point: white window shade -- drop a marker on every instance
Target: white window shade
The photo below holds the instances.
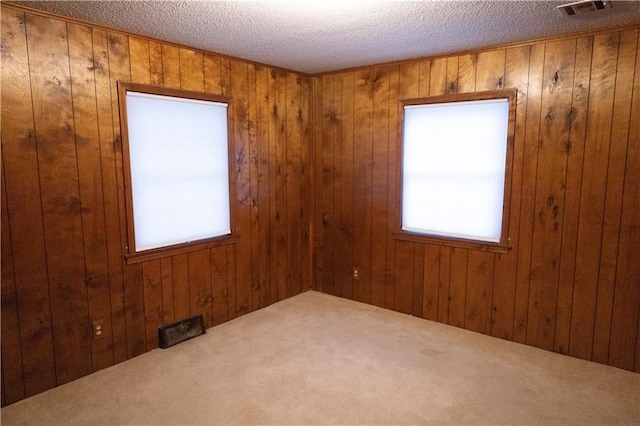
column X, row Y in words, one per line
column 179, row 164
column 454, row 157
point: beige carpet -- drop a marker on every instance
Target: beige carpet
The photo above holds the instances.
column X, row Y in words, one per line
column 319, row 359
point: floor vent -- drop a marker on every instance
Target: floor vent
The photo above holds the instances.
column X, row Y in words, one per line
column 174, row 333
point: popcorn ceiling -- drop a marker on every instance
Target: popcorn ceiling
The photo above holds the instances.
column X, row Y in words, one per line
column 315, row 36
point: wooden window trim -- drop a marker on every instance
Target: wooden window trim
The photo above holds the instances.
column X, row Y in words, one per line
column 131, row 255
column 503, row 246
column 176, row 249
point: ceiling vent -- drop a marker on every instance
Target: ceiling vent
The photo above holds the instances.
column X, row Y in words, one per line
column 582, row 7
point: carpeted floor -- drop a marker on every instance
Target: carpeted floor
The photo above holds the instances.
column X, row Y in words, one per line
column 319, row 359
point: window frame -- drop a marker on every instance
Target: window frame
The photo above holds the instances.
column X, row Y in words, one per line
column 132, row 256
column 503, row 246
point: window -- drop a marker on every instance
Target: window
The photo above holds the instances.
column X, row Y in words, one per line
column 176, row 149
column 455, row 162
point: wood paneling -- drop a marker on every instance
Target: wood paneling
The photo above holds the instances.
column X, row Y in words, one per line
column 624, row 331
column 63, row 221
column 575, row 158
column 593, row 195
column 379, row 178
column 27, row 243
column 504, row 290
column 549, row 203
column 571, row 281
column 47, row 41
column 364, row 85
column 317, row 183
column 90, row 182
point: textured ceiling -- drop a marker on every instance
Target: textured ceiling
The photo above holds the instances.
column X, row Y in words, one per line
column 313, row 36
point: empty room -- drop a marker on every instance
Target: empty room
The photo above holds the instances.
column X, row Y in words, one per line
column 333, row 212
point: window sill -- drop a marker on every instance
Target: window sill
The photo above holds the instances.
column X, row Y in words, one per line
column 159, row 253
column 453, row 242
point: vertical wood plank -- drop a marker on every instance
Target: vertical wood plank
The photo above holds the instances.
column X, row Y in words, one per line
column 424, row 80
column 293, row 183
column 317, row 108
column 191, row 70
column 239, row 75
column 132, row 302
column 362, row 174
column 467, row 65
column 155, row 63
column 138, row 71
column 346, row 238
column 392, row 182
column 534, row 96
column 626, row 303
column 166, row 265
column 638, row 340
column 13, row 388
column 110, row 190
column 254, row 201
column 58, row 169
column 550, row 184
column 211, row 70
column 479, row 292
column 225, row 76
column 490, row 70
column 516, row 75
column 24, row 210
column 306, row 193
column 458, row 286
column 140, row 66
column 200, row 298
column 341, row 270
column 85, row 120
column 418, row 281
column 219, row 280
column 431, row 276
column 152, row 287
column 170, row 66
column 452, row 75
column 181, row 290
column 438, row 77
column 594, row 184
column 444, row 279
column 275, row 180
column 280, row 120
column 404, row 276
column 232, row 281
column 575, row 153
column 134, row 305
column 614, row 192
column 264, row 232
column 328, row 184
column 379, row 186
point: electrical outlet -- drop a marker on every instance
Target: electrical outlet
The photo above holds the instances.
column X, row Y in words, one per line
column 356, row 273
column 98, row 330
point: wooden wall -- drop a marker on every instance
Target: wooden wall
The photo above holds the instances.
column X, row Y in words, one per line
column 571, row 282
column 63, row 218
